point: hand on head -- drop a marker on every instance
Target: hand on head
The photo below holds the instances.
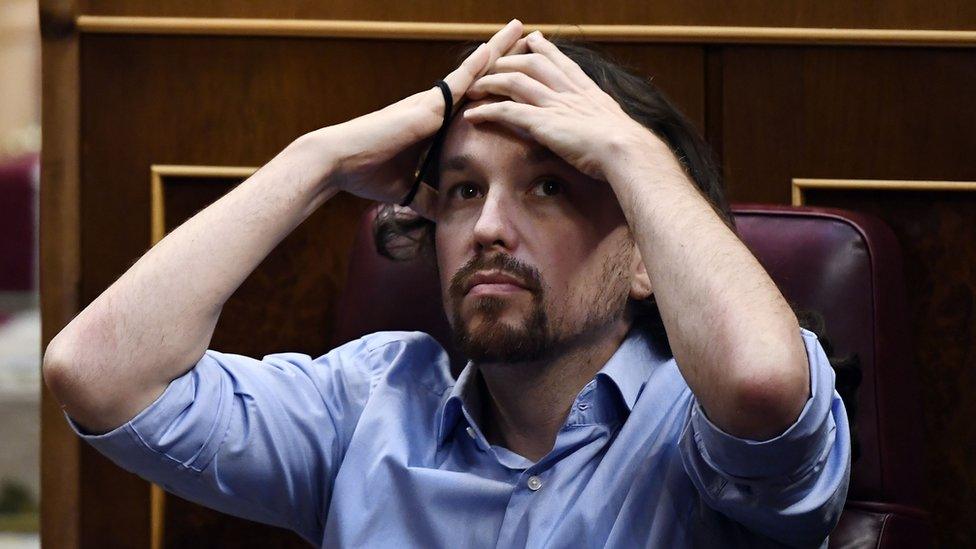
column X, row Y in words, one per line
column 375, row 155
column 547, row 97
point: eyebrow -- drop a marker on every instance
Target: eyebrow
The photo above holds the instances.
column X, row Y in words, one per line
column 535, row 155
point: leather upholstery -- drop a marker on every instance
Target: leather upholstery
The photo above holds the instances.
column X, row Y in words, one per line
column 881, row 526
column 845, row 265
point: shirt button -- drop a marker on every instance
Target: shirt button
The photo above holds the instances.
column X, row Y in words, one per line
column 534, row 483
column 471, row 432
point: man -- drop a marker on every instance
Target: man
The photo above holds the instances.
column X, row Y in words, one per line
column 556, row 218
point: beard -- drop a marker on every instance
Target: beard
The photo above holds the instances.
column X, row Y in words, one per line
column 534, row 339
column 498, row 341
column 495, row 340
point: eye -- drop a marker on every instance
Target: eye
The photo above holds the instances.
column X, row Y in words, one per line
column 548, row 187
column 465, row 191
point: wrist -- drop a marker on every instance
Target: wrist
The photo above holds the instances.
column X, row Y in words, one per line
column 640, row 162
column 637, row 148
column 312, row 160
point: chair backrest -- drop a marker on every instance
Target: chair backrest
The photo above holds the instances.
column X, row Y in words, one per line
column 847, row 266
column 844, row 265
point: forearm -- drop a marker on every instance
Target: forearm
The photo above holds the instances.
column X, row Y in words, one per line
column 734, row 336
column 156, row 321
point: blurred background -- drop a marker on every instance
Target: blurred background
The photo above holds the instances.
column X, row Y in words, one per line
column 20, row 323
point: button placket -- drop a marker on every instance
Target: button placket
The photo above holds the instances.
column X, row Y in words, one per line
column 519, row 505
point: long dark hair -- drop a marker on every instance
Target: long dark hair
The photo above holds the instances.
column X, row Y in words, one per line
column 400, row 235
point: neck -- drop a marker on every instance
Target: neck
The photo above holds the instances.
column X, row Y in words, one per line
column 527, row 403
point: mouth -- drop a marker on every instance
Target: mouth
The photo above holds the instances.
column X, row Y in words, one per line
column 493, row 282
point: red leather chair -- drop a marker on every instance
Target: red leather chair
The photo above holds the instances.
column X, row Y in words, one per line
column 847, row 266
column 844, row 265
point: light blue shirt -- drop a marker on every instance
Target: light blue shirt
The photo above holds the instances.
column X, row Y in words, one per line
column 374, row 445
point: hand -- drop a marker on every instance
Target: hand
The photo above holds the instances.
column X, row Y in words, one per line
column 555, row 103
column 376, row 154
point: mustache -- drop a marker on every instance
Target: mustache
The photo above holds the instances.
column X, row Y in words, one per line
column 510, row 265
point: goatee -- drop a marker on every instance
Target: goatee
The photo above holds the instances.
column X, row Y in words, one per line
column 495, row 340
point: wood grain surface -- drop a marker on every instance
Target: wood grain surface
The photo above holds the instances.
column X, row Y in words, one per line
column 950, row 14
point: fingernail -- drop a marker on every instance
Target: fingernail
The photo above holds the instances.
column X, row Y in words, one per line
column 513, row 21
column 535, row 36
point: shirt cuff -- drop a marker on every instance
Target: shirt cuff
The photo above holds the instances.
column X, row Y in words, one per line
column 160, row 433
column 792, row 453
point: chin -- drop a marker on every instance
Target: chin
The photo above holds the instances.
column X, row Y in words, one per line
column 492, row 332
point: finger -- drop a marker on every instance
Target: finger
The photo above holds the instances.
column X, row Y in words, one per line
column 516, row 85
column 518, row 116
column 481, row 59
column 538, row 67
column 538, row 43
column 521, row 46
column 502, row 41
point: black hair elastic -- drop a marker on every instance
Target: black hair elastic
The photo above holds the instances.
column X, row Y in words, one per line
column 436, row 144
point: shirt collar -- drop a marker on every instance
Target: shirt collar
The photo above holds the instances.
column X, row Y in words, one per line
column 628, row 368
column 451, row 410
column 631, row 365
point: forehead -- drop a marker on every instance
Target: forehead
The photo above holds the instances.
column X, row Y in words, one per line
column 487, row 149
column 468, row 145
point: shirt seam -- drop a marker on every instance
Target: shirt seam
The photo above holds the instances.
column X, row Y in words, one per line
column 138, row 437
column 371, row 349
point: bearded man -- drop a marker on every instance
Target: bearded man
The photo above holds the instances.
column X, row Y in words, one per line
column 571, row 211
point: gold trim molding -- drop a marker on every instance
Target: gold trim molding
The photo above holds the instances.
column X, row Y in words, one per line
column 410, row 30
column 157, row 208
column 157, row 200
column 800, row 185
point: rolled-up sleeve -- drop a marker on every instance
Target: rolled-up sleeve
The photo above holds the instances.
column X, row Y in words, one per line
column 790, row 488
column 259, row 439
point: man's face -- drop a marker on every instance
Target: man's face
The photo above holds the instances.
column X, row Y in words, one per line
column 534, row 257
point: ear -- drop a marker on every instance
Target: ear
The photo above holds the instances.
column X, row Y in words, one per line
column 640, row 283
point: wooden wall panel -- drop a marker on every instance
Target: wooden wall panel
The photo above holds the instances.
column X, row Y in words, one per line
column 950, row 14
column 935, row 230
column 59, row 261
column 236, row 102
column 865, row 113
column 123, row 523
column 861, row 113
column 286, row 305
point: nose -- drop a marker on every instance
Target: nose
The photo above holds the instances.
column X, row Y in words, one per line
column 494, row 229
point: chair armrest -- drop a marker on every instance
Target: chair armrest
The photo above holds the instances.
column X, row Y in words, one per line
column 865, row 524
